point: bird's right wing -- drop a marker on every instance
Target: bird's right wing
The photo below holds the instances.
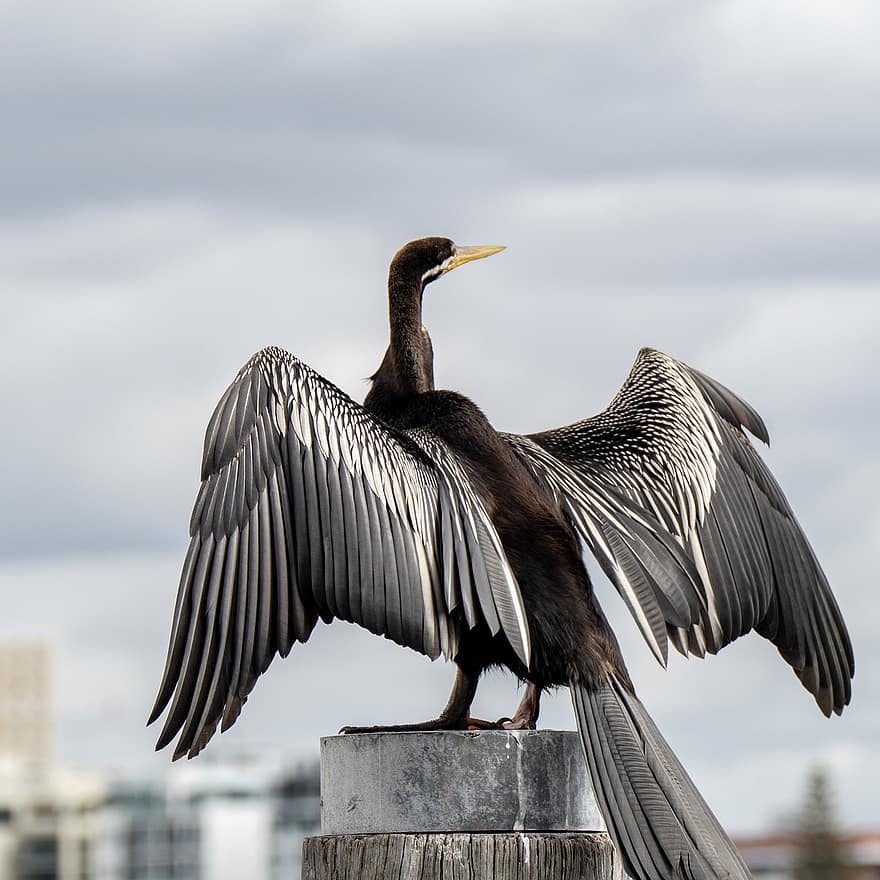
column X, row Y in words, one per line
column 310, row 506
column 670, row 456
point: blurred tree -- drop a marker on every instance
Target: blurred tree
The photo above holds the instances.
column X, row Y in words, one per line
column 821, row 853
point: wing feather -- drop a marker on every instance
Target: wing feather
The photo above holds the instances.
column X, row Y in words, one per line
column 213, row 702
column 263, row 648
column 234, row 655
column 348, row 526
column 192, row 644
column 373, row 604
column 179, row 626
column 281, row 563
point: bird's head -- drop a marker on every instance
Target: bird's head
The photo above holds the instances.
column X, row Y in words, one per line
column 422, row 261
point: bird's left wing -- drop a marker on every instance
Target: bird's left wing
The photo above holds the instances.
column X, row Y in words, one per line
column 669, row 456
column 312, row 507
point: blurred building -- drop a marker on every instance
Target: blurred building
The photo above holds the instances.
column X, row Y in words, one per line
column 47, row 821
column 214, row 820
column 297, row 815
column 46, row 813
column 138, row 834
column 773, row 856
column 25, row 701
column 244, row 816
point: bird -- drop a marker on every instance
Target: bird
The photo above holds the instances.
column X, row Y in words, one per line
column 413, row 517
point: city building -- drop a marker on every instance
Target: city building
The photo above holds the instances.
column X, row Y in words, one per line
column 25, row 701
column 139, row 835
column 46, row 812
column 217, row 818
column 242, row 816
column 773, row 856
column 47, row 821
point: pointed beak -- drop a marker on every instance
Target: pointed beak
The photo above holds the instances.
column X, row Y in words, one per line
column 467, row 254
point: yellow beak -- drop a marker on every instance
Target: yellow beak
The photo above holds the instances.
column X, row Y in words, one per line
column 467, row 254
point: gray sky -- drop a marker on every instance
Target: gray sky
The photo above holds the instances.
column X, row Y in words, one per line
column 185, row 183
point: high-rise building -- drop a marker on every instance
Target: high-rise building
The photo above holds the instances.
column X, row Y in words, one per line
column 45, row 811
column 25, row 701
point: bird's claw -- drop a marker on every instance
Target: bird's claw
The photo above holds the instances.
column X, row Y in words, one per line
column 480, row 724
column 441, row 723
column 517, row 724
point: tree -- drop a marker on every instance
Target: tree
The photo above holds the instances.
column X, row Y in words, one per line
column 821, row 852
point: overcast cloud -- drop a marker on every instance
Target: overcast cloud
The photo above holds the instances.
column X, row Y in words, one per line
column 185, row 183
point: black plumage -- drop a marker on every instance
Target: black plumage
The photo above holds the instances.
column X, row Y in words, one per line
column 413, row 517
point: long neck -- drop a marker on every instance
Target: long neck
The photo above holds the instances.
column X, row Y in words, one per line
column 411, row 355
column 408, row 365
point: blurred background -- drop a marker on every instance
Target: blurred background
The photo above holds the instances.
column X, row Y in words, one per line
column 183, row 183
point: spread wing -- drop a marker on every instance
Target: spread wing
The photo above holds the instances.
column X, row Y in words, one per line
column 311, row 507
column 670, row 452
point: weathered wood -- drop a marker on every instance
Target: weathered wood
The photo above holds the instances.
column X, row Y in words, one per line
column 504, row 856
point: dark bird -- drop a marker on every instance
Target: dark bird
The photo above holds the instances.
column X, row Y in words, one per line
column 413, row 517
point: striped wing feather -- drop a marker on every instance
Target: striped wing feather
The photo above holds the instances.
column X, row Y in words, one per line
column 311, row 507
column 670, row 455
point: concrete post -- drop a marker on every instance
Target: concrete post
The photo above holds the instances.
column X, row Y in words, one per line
column 460, row 804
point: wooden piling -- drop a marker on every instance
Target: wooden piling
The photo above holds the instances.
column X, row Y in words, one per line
column 516, row 855
column 488, row 805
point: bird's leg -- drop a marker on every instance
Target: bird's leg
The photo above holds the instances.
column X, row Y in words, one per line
column 453, row 717
column 526, row 715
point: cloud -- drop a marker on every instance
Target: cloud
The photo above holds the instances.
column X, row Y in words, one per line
column 703, row 228
column 303, row 106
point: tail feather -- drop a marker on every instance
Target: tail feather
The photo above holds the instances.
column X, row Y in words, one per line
column 659, row 822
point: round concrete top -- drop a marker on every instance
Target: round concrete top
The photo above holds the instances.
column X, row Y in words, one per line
column 525, row 780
